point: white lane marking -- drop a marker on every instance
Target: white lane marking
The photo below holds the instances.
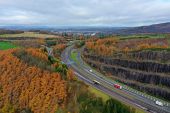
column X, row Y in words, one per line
column 140, row 106
column 82, row 77
column 97, row 76
column 133, row 91
column 87, row 70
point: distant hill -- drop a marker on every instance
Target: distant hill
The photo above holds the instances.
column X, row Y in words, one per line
column 4, row 31
column 155, row 28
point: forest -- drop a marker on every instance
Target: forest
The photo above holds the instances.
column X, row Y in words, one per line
column 29, row 87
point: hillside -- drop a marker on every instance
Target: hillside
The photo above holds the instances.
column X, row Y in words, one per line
column 5, row 31
column 155, row 28
column 142, row 64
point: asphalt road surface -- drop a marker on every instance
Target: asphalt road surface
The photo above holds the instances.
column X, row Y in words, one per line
column 126, row 94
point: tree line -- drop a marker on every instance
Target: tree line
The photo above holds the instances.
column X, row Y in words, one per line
column 4, row 31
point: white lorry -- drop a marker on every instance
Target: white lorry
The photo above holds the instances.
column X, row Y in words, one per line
column 159, row 103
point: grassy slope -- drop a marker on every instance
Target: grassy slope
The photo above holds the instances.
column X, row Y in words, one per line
column 99, row 93
column 28, row 34
column 6, row 45
column 105, row 97
column 74, row 56
column 142, row 36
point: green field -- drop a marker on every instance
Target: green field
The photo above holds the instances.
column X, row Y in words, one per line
column 74, row 56
column 6, row 45
column 142, row 36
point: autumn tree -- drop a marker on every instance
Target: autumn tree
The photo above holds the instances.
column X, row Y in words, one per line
column 26, row 86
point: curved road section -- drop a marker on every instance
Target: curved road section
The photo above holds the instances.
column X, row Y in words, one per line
column 126, row 94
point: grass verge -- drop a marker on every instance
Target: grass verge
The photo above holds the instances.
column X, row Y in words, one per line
column 74, row 56
column 105, row 97
column 142, row 36
column 98, row 93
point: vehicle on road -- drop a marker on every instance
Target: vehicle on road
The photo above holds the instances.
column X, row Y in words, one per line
column 96, row 82
column 90, row 70
column 159, row 103
column 117, row 86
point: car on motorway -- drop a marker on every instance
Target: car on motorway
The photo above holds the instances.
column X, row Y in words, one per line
column 90, row 70
column 117, row 86
column 96, row 82
column 158, row 103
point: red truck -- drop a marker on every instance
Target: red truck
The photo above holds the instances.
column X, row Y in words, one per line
column 117, row 86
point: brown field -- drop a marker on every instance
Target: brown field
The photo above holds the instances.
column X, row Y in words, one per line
column 29, row 34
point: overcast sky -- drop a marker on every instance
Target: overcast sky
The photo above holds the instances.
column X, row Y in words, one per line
column 84, row 12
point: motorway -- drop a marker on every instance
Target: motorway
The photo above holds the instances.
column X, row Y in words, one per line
column 127, row 95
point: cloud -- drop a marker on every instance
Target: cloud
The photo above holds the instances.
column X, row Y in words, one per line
column 83, row 12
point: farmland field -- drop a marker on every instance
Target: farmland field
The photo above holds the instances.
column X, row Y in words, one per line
column 28, row 34
column 6, row 45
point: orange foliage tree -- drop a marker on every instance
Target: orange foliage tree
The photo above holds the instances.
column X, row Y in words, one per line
column 150, row 46
column 60, row 47
column 37, row 53
column 104, row 47
column 26, row 86
column 70, row 75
